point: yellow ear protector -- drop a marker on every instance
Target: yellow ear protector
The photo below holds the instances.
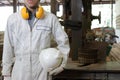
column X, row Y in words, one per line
column 39, row 13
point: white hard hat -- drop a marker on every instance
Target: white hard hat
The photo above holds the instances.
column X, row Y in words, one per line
column 50, row 58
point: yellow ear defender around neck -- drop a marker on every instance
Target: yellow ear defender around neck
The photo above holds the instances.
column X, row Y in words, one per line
column 39, row 13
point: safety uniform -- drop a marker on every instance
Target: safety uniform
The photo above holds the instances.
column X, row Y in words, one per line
column 25, row 45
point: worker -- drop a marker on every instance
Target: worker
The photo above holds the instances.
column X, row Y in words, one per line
column 27, row 33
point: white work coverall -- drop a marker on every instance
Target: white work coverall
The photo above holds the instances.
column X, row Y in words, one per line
column 25, row 45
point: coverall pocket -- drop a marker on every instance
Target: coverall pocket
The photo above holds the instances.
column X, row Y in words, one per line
column 42, row 27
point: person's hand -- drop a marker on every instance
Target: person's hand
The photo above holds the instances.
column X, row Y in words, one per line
column 56, row 71
column 7, row 78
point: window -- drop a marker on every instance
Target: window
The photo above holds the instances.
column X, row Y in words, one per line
column 106, row 15
column 5, row 12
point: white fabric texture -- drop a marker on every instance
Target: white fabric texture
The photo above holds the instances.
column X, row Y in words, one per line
column 7, row 78
column 25, row 45
column 56, row 71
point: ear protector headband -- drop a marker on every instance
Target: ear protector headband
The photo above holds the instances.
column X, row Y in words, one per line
column 39, row 13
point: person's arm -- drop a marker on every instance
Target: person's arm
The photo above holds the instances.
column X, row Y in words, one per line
column 63, row 43
column 7, row 58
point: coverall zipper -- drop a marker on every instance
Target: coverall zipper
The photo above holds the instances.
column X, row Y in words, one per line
column 31, row 32
column 30, row 49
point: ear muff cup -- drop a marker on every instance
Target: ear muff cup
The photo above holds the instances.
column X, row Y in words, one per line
column 24, row 13
column 39, row 13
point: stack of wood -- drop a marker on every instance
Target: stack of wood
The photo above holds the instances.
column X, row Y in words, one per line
column 115, row 52
column 1, row 37
column 1, row 50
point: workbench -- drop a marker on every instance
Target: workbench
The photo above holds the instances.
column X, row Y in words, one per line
column 97, row 71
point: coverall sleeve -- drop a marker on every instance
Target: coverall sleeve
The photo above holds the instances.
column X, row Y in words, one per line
column 7, row 58
column 62, row 40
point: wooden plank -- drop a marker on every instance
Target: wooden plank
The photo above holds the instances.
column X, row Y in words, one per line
column 98, row 71
column 113, row 66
